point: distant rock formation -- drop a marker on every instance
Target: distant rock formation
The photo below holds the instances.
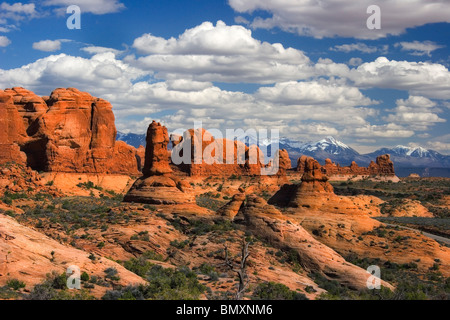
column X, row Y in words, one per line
column 284, row 163
column 314, row 186
column 382, row 167
column 69, row 131
column 313, row 193
column 207, row 156
column 158, row 185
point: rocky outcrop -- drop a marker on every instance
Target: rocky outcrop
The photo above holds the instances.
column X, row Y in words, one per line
column 158, row 190
column 28, row 255
column 314, row 188
column 284, row 163
column 231, row 209
column 157, row 156
column 267, row 223
column 69, row 131
column 15, row 178
column 382, row 167
column 158, row 185
column 406, row 208
column 198, row 153
column 12, row 132
column 314, row 193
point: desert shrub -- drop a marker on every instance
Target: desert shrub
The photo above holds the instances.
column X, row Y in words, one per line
column 200, row 227
column 163, row 284
column 140, row 266
column 84, row 276
column 209, row 270
column 112, row 273
column 15, row 284
column 152, row 255
column 8, row 293
column 179, row 244
column 55, row 288
column 276, row 291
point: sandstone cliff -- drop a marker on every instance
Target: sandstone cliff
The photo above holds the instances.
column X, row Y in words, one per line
column 69, row 131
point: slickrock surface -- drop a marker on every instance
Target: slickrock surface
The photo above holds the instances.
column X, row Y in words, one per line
column 27, row 255
column 313, row 255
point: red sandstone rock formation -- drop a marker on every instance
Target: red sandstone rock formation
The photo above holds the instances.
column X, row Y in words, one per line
column 203, row 155
column 140, row 156
column 314, row 189
column 69, row 131
column 268, row 223
column 12, row 131
column 284, row 163
column 383, row 167
column 158, row 185
column 157, row 155
column 231, row 209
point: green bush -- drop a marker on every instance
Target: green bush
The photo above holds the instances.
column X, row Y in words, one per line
column 163, row 284
column 179, row 244
column 140, row 266
column 276, row 291
column 84, row 276
column 55, row 288
column 15, row 284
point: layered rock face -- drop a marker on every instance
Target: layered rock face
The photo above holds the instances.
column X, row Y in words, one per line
column 382, row 167
column 313, row 193
column 284, row 163
column 266, row 222
column 158, row 185
column 157, row 156
column 19, row 178
column 231, row 209
column 200, row 154
column 69, row 131
column 12, row 131
column 314, row 188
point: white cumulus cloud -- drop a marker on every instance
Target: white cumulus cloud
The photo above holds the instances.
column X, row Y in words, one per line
column 419, row 48
column 4, row 41
column 220, row 53
column 47, row 45
column 362, row 47
column 426, row 79
column 344, row 18
column 92, row 6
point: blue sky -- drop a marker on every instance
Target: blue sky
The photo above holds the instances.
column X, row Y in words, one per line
column 307, row 68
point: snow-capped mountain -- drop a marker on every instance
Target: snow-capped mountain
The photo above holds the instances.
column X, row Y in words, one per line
column 415, row 152
column 132, row 139
column 328, row 145
column 325, row 148
column 253, row 138
column 416, row 159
